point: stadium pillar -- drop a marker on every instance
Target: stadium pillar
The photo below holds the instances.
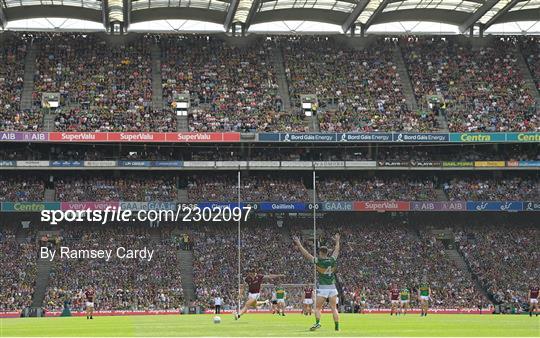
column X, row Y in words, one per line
column 481, row 30
column 3, row 19
column 352, row 31
column 238, row 29
column 114, row 16
column 239, row 247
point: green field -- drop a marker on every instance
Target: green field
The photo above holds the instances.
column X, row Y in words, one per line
column 268, row 325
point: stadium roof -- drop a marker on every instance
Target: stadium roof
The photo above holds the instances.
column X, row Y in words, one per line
column 389, row 16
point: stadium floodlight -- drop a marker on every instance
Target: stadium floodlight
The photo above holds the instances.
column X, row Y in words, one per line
column 50, row 100
column 309, row 104
column 181, row 104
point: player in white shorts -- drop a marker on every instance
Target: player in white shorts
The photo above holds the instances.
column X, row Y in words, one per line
column 325, row 265
column 534, row 292
column 254, row 281
column 89, row 294
column 307, row 306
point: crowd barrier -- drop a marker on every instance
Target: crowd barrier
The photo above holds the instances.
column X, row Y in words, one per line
column 187, row 137
column 286, row 207
column 269, row 164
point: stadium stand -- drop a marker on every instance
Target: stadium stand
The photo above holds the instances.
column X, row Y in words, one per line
column 253, row 189
column 232, row 88
column 18, row 270
column 76, row 189
column 21, row 189
column 369, row 259
column 138, row 284
column 504, row 259
column 235, row 88
column 493, row 190
column 102, row 87
column 530, row 48
column 12, row 118
column 361, row 88
column 482, row 89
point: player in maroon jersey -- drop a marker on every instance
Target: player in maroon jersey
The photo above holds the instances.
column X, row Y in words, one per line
column 393, row 293
column 308, row 301
column 254, row 281
column 534, row 291
column 89, row 294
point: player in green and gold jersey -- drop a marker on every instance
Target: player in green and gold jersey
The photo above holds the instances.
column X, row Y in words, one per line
column 326, row 280
column 424, row 293
column 404, row 300
column 280, row 299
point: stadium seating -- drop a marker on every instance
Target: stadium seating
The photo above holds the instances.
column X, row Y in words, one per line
column 103, row 87
column 482, row 88
column 376, row 189
column 369, row 258
column 232, row 88
column 505, row 259
column 252, row 189
column 516, row 189
column 236, row 88
column 12, row 118
column 530, row 48
column 76, row 189
column 21, row 189
column 18, row 271
column 361, row 89
column 121, row 284
column 263, row 188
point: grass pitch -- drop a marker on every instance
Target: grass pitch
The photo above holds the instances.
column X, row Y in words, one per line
column 266, row 325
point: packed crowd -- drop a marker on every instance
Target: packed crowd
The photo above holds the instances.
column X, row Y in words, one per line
column 252, row 189
column 479, row 89
column 119, row 284
column 505, row 259
column 376, row 189
column 105, row 87
column 231, row 88
column 17, row 271
column 110, row 120
column 264, row 248
column 531, row 51
column 21, row 189
column 361, row 89
column 97, row 189
column 369, row 259
column 380, row 260
column 504, row 189
column 271, row 188
column 12, row 118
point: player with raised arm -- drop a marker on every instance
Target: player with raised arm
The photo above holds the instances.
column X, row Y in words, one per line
column 533, row 300
column 89, row 295
column 326, row 280
column 308, row 301
column 424, row 292
column 254, row 281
